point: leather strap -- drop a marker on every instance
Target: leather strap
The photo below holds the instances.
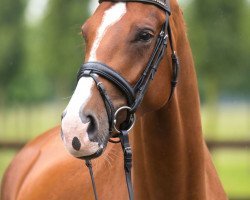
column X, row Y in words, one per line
column 175, row 66
column 127, row 152
column 107, row 101
column 89, row 165
column 111, row 75
column 163, row 4
column 152, row 66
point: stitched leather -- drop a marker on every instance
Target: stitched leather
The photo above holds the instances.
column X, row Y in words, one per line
column 111, row 75
column 163, row 4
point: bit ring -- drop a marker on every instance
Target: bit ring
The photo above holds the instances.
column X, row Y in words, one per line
column 131, row 120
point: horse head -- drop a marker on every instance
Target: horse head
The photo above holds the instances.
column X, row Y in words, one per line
column 120, row 39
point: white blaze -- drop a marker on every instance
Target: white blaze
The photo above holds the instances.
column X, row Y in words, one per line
column 81, row 96
column 110, row 17
column 72, row 125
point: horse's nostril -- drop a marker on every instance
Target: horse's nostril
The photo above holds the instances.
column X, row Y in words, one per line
column 92, row 129
column 76, row 144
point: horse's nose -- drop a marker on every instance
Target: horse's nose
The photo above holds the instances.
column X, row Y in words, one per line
column 91, row 126
column 80, row 132
column 92, row 131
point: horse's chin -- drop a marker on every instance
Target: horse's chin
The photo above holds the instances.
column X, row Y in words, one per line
column 85, row 149
column 93, row 156
column 87, row 155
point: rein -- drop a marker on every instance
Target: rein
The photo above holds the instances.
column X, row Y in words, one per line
column 134, row 94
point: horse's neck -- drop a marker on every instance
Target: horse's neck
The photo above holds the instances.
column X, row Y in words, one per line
column 169, row 156
column 171, row 160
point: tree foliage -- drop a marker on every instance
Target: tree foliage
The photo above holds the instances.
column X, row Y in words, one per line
column 47, row 56
column 40, row 62
column 11, row 41
column 218, row 34
column 63, row 47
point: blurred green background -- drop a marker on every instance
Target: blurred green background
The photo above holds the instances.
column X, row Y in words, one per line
column 41, row 49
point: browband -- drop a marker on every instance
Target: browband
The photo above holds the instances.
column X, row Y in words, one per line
column 163, row 4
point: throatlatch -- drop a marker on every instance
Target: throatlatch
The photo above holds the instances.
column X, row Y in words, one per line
column 134, row 94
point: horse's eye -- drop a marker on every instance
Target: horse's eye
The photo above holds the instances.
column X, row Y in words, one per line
column 145, row 36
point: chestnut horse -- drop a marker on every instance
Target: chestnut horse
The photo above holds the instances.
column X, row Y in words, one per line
column 170, row 157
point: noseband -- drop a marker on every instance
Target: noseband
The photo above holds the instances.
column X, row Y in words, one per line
column 134, row 94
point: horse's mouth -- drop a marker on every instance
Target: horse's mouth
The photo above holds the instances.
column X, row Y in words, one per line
column 83, row 148
column 94, row 155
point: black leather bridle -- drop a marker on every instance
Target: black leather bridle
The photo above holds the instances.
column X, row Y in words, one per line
column 134, row 94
